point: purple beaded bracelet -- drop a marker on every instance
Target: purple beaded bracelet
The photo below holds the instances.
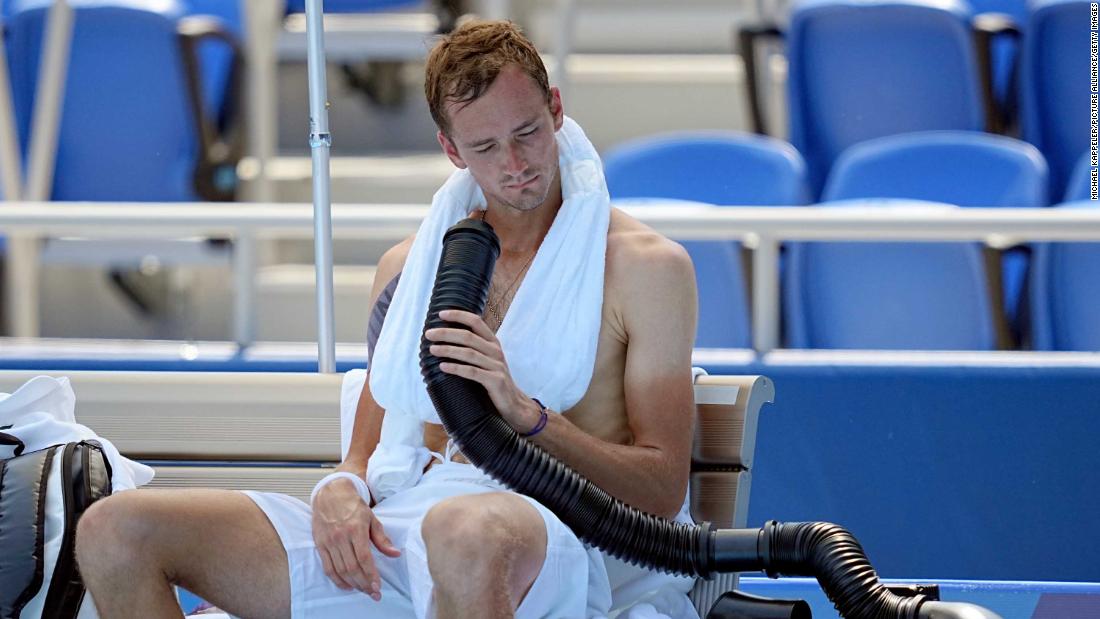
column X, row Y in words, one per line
column 543, row 418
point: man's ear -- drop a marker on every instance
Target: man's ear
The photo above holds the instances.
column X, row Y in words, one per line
column 450, row 149
column 556, row 109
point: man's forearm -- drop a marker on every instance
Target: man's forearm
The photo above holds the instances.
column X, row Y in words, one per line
column 365, row 434
column 643, row 477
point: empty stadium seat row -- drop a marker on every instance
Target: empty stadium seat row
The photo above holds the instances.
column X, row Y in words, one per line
column 862, row 69
column 151, row 98
column 153, row 88
column 879, row 295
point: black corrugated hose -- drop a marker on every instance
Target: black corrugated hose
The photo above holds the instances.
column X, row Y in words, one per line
column 823, row 550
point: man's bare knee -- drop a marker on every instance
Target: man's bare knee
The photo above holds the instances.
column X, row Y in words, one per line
column 485, row 537
column 459, row 527
column 114, row 530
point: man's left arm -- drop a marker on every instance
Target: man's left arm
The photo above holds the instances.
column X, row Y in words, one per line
column 658, row 301
column 658, row 294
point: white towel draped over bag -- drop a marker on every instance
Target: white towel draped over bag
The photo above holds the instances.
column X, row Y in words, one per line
column 41, row 413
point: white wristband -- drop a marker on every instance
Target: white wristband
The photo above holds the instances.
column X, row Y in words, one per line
column 360, row 486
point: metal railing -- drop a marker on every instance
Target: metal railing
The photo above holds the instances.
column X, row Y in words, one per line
column 761, row 228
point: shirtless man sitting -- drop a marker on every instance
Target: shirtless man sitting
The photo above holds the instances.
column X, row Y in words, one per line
column 487, row 552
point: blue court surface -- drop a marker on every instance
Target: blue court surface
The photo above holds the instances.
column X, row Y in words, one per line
column 1011, row 600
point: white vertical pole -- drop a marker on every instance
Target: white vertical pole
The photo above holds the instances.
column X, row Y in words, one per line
column 563, row 45
column 11, row 174
column 261, row 93
column 320, row 141
column 765, row 297
column 48, row 102
column 22, row 285
column 244, row 287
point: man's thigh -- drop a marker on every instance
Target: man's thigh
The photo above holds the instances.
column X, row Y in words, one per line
column 313, row 595
column 217, row 544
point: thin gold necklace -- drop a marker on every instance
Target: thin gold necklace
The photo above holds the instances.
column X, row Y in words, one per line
column 494, row 306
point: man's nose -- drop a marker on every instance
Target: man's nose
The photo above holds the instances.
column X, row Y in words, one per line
column 514, row 161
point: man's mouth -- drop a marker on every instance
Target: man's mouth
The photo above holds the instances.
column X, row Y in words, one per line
column 525, row 184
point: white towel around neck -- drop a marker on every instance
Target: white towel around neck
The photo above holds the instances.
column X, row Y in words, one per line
column 549, row 334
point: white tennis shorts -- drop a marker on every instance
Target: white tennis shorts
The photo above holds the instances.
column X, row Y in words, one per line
column 573, row 582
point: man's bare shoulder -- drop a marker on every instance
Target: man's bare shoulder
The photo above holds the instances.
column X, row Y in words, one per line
column 650, row 279
column 389, row 265
column 394, row 258
column 635, row 250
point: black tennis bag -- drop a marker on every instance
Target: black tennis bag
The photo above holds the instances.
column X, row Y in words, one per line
column 42, row 495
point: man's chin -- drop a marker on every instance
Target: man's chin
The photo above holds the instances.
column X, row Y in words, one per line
column 527, row 201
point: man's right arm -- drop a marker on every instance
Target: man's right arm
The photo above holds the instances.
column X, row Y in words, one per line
column 344, row 527
column 367, row 427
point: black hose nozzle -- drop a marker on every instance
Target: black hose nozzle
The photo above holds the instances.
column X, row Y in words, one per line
column 741, row 605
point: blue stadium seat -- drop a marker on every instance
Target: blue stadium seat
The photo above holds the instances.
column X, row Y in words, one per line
column 717, row 167
column 861, row 69
column 903, row 296
column 1065, row 293
column 965, row 168
column 353, row 6
column 130, row 119
column 1080, row 184
column 1055, row 84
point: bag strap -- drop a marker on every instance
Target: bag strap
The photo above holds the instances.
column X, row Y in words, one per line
column 23, row 491
column 101, row 473
column 9, row 439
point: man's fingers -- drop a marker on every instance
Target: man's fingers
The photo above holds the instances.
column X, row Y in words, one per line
column 461, row 337
column 479, row 334
column 382, row 541
column 370, row 572
column 461, row 353
column 469, row 319
column 330, row 569
column 353, row 571
column 465, row 371
column 343, row 542
column 340, row 566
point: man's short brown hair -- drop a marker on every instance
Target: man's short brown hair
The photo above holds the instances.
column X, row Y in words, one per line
column 463, row 65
